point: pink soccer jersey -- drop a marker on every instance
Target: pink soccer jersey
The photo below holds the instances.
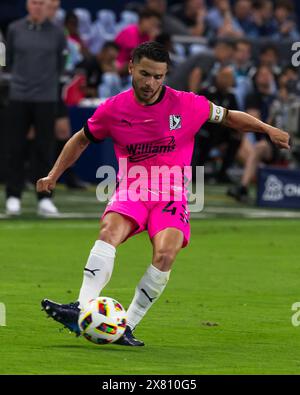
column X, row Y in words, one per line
column 151, row 135
column 161, row 134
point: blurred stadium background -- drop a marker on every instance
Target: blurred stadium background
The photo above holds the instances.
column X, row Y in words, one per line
column 239, row 54
column 243, row 260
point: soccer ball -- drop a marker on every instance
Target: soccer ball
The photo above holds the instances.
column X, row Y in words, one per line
column 103, row 320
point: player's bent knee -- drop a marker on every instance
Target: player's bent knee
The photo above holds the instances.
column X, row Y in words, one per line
column 164, row 259
column 111, row 234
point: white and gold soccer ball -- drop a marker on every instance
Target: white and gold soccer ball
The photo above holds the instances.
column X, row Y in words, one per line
column 103, row 320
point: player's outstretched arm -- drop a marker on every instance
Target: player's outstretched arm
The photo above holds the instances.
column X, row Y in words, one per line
column 247, row 123
column 70, row 153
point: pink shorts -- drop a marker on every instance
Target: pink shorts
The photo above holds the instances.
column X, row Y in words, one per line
column 153, row 216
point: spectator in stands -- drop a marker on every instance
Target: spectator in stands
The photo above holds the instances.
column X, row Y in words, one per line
column 73, row 36
column 2, row 53
column 242, row 65
column 269, row 57
column 53, row 7
column 56, row 14
column 216, row 13
column 133, row 35
column 263, row 16
column 62, row 129
column 197, row 69
column 166, row 40
column 220, row 19
column 285, row 19
column 36, row 58
column 208, row 65
column 105, row 62
column 291, row 74
column 212, row 136
column 258, row 104
column 3, row 105
column 193, row 14
column 242, row 58
column 169, row 24
column 279, row 110
column 243, row 11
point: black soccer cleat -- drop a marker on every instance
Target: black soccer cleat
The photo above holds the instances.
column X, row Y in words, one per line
column 239, row 193
column 127, row 339
column 66, row 314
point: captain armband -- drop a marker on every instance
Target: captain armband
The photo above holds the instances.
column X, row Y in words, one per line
column 217, row 114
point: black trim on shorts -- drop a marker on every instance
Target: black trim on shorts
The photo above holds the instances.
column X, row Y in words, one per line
column 89, row 135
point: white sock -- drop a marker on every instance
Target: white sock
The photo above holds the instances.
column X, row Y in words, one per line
column 147, row 292
column 97, row 271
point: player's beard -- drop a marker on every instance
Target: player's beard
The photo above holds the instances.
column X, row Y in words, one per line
column 140, row 97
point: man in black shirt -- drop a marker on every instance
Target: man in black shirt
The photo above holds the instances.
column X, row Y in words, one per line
column 211, row 136
column 191, row 74
column 192, row 13
column 36, row 50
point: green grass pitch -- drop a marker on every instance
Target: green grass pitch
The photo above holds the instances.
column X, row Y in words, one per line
column 226, row 310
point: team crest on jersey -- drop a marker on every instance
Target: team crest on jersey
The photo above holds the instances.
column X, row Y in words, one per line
column 175, row 122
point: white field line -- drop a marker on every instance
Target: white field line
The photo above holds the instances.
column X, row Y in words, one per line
column 77, row 199
column 49, row 225
column 249, row 212
column 209, row 212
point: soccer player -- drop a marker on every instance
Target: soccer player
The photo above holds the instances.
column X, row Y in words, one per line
column 150, row 124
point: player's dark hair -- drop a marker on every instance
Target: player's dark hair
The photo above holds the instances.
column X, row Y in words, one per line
column 151, row 50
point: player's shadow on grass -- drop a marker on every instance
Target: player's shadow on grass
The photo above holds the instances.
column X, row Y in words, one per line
column 96, row 349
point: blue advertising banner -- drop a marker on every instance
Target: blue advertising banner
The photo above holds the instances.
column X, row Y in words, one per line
column 278, row 187
column 95, row 155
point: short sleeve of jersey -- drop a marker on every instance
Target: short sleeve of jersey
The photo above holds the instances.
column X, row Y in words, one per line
column 96, row 128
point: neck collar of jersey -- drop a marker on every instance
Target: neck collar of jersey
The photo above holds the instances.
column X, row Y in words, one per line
column 158, row 100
